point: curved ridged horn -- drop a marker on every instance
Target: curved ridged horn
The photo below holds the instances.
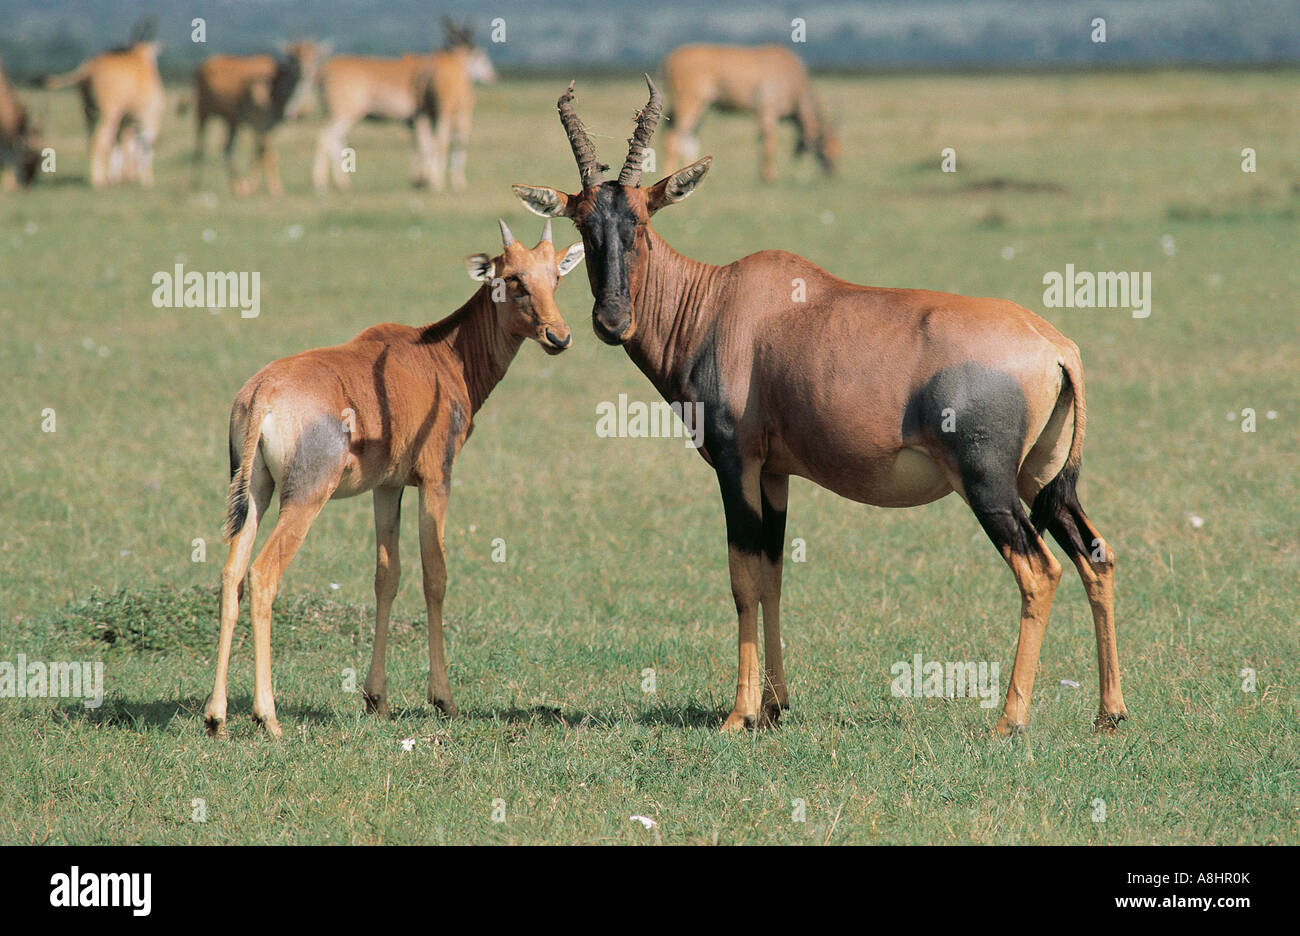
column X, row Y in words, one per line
column 546, row 231
column 506, row 237
column 589, row 167
column 646, row 121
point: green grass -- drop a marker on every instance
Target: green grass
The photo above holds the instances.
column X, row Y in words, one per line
column 616, row 555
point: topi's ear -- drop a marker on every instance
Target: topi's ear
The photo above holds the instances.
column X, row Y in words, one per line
column 547, row 202
column 678, row 186
column 571, row 258
column 479, row 266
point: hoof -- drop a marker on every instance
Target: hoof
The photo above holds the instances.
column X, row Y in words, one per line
column 376, row 705
column 771, row 712
column 445, row 706
column 1107, row 722
column 1007, row 728
column 270, row 725
column 739, row 722
column 216, row 727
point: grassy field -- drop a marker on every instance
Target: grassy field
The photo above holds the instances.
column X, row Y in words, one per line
column 616, row 552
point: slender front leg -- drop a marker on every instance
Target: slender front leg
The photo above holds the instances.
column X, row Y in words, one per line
column 741, row 503
column 270, row 166
column 775, row 492
column 441, row 144
column 767, row 141
column 433, row 512
column 422, row 167
column 388, row 571
column 456, row 160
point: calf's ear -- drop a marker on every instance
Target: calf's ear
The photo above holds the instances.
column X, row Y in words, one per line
column 571, row 257
column 479, row 266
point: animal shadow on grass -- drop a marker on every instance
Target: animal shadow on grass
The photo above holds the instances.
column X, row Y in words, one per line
column 60, row 179
column 148, row 714
column 690, row 715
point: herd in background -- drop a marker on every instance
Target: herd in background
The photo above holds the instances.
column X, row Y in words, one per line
column 124, row 103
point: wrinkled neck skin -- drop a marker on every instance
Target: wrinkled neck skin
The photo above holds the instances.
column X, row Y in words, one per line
column 482, row 350
column 674, row 301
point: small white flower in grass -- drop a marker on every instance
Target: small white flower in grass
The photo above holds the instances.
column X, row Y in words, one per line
column 1167, row 244
column 408, row 744
column 1070, row 682
column 1008, row 252
column 209, row 235
column 645, row 821
column 30, row 228
column 294, row 231
column 88, row 343
column 335, row 586
column 827, row 217
column 1196, row 521
column 1232, row 416
column 1271, row 414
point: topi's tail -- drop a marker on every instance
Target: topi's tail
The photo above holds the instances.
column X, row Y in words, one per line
column 241, row 467
column 55, row 82
column 1061, row 490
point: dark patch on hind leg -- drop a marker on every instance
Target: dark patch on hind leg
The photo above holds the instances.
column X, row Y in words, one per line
column 317, row 461
column 977, row 415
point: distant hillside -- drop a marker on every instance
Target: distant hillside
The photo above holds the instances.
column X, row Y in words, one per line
column 888, row 34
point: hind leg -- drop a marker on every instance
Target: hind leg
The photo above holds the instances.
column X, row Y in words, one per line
column 683, row 144
column 1095, row 560
column 101, row 145
column 201, row 125
column 291, row 527
column 232, row 590
column 320, row 455
column 1000, row 512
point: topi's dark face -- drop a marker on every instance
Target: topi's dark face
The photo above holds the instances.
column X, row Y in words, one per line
column 608, row 225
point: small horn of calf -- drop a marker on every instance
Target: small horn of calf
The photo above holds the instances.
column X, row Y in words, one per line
column 546, row 231
column 506, row 237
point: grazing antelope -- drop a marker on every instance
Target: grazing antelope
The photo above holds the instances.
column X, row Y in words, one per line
column 119, row 87
column 891, row 397
column 20, row 150
column 434, row 93
column 769, row 81
column 257, row 90
column 389, row 409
